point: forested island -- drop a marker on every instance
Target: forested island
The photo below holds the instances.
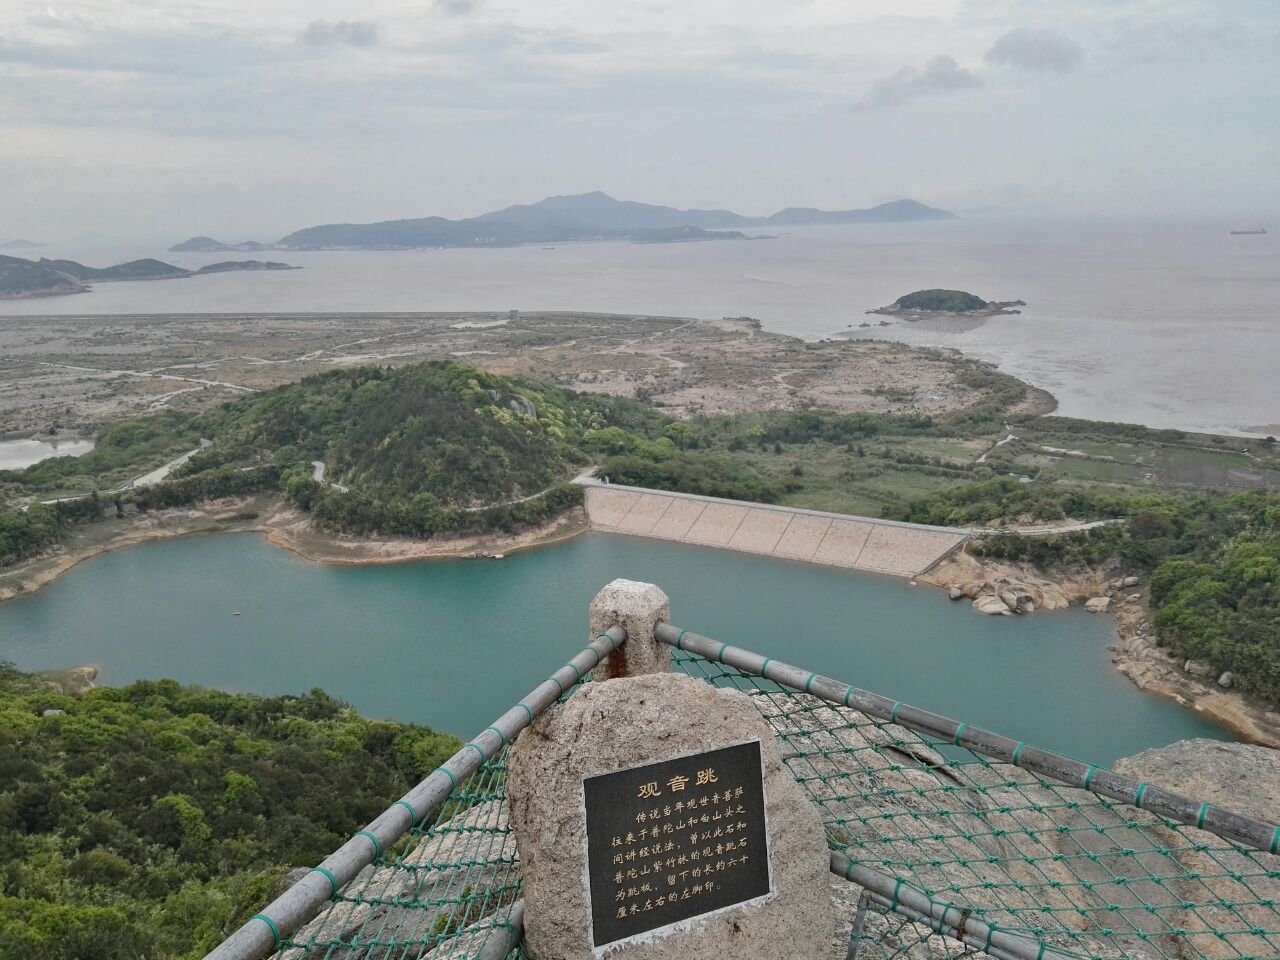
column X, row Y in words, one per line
column 929, row 304
column 21, row 279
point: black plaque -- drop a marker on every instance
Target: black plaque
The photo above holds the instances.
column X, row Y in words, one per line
column 673, row 840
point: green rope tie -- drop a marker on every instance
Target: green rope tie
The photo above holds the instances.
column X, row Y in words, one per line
column 1275, row 840
column 808, row 683
column 479, row 752
column 893, row 715
column 847, row 693
column 275, row 931
column 1040, row 952
column 1088, row 777
column 502, row 737
column 991, row 930
column 1137, row 800
column 377, row 845
column 764, row 667
column 680, row 639
column 959, row 733
column 333, row 881
column 559, row 685
column 526, row 709
column 1204, row 808
column 1017, row 752
column 720, row 652
column 897, row 887
column 448, row 773
column 413, row 814
column 576, row 672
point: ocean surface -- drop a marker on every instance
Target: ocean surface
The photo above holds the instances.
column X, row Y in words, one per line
column 454, row 644
column 1166, row 324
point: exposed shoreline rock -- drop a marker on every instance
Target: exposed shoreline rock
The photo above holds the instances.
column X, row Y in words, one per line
column 1136, row 654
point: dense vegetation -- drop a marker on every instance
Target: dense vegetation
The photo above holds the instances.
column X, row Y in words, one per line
column 150, row 821
column 117, row 454
column 950, row 301
column 425, row 449
column 25, row 533
column 1214, row 560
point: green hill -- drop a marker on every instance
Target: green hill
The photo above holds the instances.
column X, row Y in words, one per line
column 948, row 301
column 147, row 821
column 424, row 449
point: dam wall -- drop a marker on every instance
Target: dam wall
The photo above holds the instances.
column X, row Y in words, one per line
column 856, row 543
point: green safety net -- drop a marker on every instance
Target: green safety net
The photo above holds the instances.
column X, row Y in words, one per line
column 1066, row 868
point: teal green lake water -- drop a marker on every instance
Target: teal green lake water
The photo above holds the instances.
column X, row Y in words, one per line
column 453, row 644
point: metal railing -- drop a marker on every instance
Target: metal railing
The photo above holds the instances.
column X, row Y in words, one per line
column 271, row 929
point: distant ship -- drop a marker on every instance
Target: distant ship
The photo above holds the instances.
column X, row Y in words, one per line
column 1248, row 233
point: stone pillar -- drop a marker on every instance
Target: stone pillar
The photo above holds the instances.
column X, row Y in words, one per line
column 637, row 608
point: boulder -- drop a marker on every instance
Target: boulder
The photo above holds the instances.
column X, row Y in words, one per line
column 991, row 605
column 1097, row 604
column 1197, row 668
column 955, row 592
column 627, row 722
column 1227, row 680
column 1130, row 582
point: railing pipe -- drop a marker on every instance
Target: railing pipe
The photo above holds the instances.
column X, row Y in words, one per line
column 1075, row 773
column 955, row 922
column 266, row 932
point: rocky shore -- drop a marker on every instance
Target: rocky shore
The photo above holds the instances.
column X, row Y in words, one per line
column 999, row 588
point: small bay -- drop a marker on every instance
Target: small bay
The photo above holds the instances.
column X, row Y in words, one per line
column 454, row 643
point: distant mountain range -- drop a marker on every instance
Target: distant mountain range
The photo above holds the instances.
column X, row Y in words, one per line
column 20, row 279
column 585, row 216
column 21, row 244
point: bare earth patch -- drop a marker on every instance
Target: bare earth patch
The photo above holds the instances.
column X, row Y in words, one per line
column 78, row 372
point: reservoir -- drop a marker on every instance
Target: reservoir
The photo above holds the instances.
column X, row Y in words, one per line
column 452, row 644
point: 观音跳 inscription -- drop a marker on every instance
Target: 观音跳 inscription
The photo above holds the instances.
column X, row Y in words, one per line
column 674, row 840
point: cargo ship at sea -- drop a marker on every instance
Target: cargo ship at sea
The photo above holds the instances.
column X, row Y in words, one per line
column 1248, row 233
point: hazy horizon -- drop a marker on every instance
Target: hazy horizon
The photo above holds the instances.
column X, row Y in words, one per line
column 245, row 120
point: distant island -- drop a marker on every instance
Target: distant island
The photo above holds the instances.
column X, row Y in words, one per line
column 21, row 244
column 22, row 279
column 204, row 244
column 932, row 304
column 584, row 216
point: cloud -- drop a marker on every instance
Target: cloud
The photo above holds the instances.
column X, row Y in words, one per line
column 456, row 8
column 1028, row 48
column 940, row 75
column 353, row 33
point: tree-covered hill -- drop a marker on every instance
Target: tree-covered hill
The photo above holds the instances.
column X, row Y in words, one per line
column 423, row 449
column 946, row 301
column 150, row 821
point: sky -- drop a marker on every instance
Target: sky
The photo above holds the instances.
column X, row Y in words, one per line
column 247, row 119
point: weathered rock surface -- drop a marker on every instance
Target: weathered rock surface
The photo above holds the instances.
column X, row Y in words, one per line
column 1227, row 680
column 1097, row 604
column 1239, row 777
column 1197, row 668
column 992, row 605
column 636, row 720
